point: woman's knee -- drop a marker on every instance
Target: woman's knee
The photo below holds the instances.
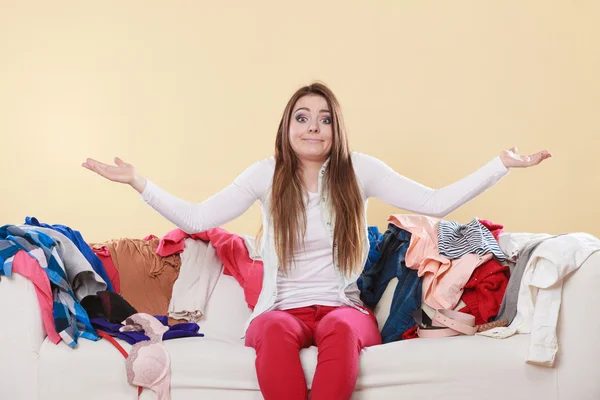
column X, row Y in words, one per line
column 273, row 327
column 349, row 326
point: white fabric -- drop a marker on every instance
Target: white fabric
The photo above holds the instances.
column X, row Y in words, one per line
column 312, row 278
column 250, row 243
column 540, row 292
column 375, row 179
column 198, row 276
column 512, row 243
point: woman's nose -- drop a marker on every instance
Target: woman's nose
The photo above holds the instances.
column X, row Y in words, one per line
column 313, row 128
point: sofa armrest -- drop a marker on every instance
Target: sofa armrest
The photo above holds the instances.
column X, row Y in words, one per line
column 21, row 336
column 579, row 332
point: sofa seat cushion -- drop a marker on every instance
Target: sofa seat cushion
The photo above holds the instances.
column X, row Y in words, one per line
column 460, row 366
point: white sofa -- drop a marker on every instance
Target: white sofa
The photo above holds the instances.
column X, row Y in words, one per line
column 219, row 366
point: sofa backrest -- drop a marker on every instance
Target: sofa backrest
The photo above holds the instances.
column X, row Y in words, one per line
column 226, row 312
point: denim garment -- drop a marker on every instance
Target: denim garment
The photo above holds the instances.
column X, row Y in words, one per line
column 375, row 238
column 408, row 292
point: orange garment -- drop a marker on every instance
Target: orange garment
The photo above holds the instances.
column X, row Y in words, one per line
column 443, row 279
column 146, row 278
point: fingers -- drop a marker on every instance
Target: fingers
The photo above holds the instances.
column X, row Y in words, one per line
column 119, row 162
column 89, row 164
column 538, row 157
column 514, row 149
column 95, row 166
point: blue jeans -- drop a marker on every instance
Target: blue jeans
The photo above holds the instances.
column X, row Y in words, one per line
column 408, row 293
column 375, row 238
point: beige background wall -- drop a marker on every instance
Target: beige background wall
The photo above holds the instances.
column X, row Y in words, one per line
column 191, row 92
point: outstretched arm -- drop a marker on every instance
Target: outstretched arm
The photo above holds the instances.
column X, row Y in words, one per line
column 224, row 206
column 384, row 183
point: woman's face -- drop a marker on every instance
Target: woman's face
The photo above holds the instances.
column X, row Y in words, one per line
column 311, row 129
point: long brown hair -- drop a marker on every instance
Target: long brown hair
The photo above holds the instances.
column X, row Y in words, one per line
column 344, row 198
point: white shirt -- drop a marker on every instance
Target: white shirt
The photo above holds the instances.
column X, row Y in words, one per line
column 312, row 278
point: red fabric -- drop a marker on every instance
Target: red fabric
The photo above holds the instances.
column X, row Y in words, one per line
column 484, row 291
column 109, row 266
column 410, row 333
column 232, row 251
column 340, row 333
column 495, row 229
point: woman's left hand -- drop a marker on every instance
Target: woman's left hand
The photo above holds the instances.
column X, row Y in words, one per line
column 511, row 159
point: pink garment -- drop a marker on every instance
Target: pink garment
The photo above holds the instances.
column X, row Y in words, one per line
column 27, row 266
column 149, row 364
column 451, row 285
column 443, row 279
column 495, row 229
column 232, row 252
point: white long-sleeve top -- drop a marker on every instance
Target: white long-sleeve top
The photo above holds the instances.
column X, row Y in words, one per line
column 314, row 279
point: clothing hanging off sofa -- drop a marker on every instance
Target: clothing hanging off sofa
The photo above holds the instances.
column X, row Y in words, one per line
column 26, row 265
column 540, row 289
column 151, row 367
column 198, row 276
column 70, row 318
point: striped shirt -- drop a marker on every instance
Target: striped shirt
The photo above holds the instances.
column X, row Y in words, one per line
column 456, row 240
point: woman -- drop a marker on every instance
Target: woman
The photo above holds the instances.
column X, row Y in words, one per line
column 314, row 241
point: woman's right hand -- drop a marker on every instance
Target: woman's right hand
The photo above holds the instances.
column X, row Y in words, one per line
column 121, row 172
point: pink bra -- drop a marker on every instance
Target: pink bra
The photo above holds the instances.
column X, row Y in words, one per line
column 148, row 363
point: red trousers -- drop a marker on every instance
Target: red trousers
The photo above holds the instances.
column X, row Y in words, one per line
column 339, row 333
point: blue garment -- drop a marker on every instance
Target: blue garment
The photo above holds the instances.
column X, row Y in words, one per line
column 81, row 244
column 375, row 238
column 70, row 317
column 186, row 329
column 408, row 292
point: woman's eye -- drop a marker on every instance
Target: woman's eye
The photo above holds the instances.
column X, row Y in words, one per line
column 326, row 120
column 301, row 118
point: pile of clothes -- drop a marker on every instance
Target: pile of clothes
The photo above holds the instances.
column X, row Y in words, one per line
column 441, row 278
column 170, row 278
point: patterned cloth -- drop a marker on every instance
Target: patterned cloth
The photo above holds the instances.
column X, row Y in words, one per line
column 70, row 318
column 81, row 244
column 456, row 240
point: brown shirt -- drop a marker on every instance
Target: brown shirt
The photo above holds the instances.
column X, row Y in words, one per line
column 146, row 278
